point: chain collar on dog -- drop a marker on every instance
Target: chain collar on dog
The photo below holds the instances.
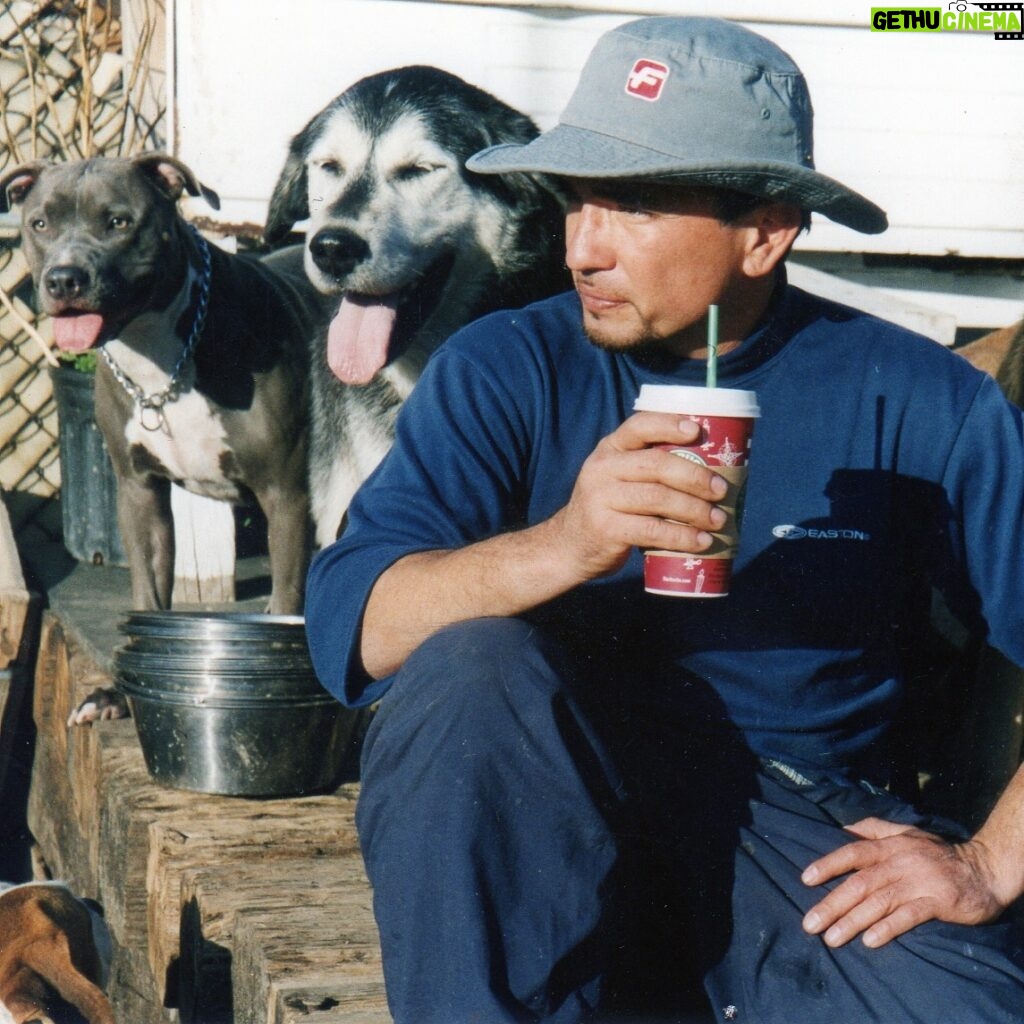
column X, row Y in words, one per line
column 151, row 407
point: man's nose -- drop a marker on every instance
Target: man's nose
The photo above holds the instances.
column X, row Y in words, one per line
column 587, row 239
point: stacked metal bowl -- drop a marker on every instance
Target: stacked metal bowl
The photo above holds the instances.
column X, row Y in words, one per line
column 228, row 703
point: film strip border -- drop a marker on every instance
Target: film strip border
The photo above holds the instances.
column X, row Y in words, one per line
column 1018, row 7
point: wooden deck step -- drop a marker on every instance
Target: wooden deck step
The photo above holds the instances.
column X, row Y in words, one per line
column 236, row 833
column 311, row 964
column 212, row 896
column 284, row 871
column 310, row 1006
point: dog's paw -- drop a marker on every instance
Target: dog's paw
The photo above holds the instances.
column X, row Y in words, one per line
column 101, row 705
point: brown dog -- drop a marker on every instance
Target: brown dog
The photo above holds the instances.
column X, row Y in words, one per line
column 54, row 955
column 1000, row 355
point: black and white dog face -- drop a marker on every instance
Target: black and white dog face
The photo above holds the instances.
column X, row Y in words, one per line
column 406, row 238
column 386, row 202
column 410, row 245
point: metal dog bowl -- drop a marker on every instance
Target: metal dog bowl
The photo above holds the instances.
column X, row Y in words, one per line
column 229, row 703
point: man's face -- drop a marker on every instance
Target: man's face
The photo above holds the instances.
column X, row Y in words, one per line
column 647, row 261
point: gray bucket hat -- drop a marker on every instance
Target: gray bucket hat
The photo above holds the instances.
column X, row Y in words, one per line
column 695, row 101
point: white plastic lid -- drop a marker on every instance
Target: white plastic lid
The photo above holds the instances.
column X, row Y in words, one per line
column 697, row 401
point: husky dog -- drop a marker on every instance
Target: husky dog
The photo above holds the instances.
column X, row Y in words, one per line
column 412, row 245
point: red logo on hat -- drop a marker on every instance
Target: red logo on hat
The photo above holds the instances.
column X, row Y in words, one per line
column 647, row 79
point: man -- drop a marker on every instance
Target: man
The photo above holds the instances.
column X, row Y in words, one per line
column 580, row 800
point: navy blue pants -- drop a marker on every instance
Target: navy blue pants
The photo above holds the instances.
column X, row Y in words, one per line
column 544, row 849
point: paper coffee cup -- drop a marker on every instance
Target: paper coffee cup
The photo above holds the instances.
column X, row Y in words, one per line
column 726, row 417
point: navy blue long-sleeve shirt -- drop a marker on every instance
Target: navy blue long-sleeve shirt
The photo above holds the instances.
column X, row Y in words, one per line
column 882, row 466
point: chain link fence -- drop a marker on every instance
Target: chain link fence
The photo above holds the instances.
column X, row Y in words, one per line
column 78, row 78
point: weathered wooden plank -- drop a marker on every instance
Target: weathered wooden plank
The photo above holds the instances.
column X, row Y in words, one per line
column 211, row 896
column 6, row 688
column 65, row 819
column 131, row 989
column 56, row 829
column 230, row 830
column 281, row 955
column 933, row 323
column 80, row 776
column 14, row 595
column 65, row 686
column 19, row 623
column 130, row 801
column 15, row 607
column 353, row 1004
column 114, row 834
column 15, row 692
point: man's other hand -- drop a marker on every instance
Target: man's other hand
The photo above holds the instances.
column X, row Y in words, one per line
column 899, row 877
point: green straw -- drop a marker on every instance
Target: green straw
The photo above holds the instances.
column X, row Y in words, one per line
column 712, row 379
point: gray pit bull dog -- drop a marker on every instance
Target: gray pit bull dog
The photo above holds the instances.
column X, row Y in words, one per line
column 203, row 378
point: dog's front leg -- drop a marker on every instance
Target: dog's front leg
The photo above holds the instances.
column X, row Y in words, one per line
column 289, row 540
column 147, row 530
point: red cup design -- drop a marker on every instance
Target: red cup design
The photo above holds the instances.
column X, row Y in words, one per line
column 727, row 419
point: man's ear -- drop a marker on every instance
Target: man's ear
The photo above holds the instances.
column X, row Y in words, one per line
column 773, row 229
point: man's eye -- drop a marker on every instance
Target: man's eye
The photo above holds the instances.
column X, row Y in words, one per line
column 634, row 208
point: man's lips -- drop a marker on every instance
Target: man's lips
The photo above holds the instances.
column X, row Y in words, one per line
column 596, row 301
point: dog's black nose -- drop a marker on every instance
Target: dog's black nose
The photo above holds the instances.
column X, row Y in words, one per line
column 337, row 251
column 66, row 282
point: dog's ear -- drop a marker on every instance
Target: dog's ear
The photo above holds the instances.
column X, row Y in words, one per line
column 173, row 177
column 532, row 191
column 527, row 192
column 16, row 183
column 289, row 201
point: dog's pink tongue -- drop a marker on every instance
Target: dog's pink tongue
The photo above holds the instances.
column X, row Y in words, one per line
column 359, row 336
column 77, row 333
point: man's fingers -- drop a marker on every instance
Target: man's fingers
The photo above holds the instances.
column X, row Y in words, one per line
column 633, row 492
column 654, row 534
column 870, row 894
column 895, row 882
column 879, row 919
column 660, row 466
column 839, row 862
column 664, row 502
column 645, row 429
column 853, row 907
column 900, row 921
column 654, row 499
column 854, row 856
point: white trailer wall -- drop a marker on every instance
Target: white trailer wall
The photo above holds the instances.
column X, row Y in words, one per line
column 926, row 124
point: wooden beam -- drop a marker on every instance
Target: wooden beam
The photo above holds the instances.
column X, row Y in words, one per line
column 932, row 323
column 212, row 895
column 14, row 595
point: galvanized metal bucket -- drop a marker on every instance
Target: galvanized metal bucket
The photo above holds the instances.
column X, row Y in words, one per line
column 228, row 703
